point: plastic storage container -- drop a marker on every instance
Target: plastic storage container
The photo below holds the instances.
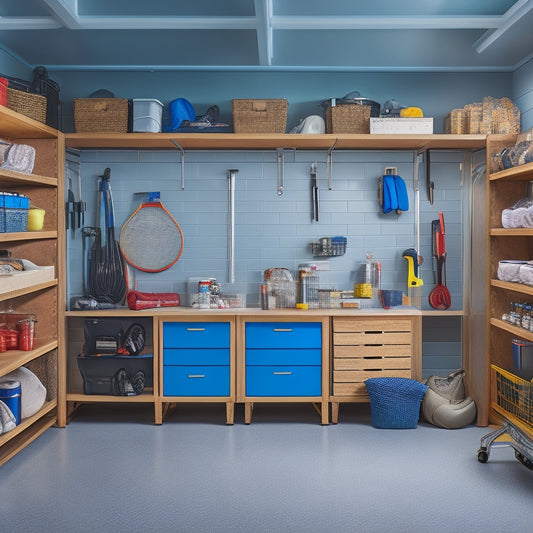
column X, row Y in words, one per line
column 147, row 115
column 13, row 212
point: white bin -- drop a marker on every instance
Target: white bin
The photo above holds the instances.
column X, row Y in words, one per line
column 147, row 115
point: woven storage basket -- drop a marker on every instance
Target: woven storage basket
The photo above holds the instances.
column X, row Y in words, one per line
column 101, row 115
column 395, row 402
column 259, row 116
column 348, row 118
column 28, row 104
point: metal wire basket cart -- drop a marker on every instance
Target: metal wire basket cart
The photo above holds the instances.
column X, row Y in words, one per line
column 513, row 402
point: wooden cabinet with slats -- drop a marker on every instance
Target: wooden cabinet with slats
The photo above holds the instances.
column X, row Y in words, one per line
column 367, row 347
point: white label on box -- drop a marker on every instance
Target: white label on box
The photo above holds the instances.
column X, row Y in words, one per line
column 420, row 126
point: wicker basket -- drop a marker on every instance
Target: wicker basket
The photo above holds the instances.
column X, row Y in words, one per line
column 101, row 115
column 348, row 118
column 28, row 104
column 259, row 116
column 395, row 402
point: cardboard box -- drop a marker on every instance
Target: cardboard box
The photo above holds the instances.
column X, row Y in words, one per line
column 406, row 126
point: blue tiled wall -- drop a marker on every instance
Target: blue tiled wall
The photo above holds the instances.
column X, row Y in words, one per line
column 273, row 230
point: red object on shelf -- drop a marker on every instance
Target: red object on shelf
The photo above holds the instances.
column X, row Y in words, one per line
column 10, row 337
column 26, row 332
column 3, row 91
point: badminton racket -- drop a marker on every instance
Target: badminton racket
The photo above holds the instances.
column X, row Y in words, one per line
column 151, row 240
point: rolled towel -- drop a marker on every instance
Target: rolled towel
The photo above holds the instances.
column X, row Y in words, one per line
column 19, row 157
column 517, row 217
column 528, row 217
column 507, row 218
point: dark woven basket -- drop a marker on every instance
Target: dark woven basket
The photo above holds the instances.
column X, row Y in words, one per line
column 28, row 104
column 395, row 402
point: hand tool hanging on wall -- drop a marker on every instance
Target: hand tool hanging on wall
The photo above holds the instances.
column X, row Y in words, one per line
column 413, row 262
column 440, row 297
column 314, row 191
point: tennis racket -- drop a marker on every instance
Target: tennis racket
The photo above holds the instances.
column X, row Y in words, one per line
column 151, row 240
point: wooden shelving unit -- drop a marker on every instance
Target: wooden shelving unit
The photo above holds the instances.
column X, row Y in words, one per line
column 505, row 188
column 45, row 300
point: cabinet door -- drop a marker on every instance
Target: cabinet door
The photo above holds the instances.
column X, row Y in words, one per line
column 196, row 356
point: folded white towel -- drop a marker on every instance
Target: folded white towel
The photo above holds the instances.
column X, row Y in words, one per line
column 18, row 157
column 7, row 418
column 509, row 270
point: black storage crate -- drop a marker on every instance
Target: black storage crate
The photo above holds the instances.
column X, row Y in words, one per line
column 98, row 371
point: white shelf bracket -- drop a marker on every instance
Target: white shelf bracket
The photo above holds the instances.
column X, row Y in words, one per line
column 182, row 161
column 329, row 164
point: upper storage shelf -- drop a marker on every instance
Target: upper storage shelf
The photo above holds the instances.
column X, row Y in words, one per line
column 255, row 141
column 16, row 126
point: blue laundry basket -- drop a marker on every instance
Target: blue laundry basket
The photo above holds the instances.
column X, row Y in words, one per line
column 395, row 402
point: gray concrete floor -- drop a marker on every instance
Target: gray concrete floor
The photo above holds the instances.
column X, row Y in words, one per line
column 111, row 469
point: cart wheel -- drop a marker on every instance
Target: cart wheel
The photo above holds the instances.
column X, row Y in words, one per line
column 482, row 455
column 524, row 460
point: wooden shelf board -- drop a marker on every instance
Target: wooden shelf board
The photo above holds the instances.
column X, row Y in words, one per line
column 9, row 177
column 16, row 126
column 511, row 232
column 27, row 236
column 521, row 172
column 239, row 141
column 104, row 398
column 516, row 287
column 27, row 290
column 13, row 359
column 515, row 330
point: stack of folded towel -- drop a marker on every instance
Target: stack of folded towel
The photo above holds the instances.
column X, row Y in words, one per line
column 18, row 157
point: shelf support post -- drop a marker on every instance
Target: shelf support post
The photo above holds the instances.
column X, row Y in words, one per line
column 182, row 161
column 281, row 169
column 329, row 164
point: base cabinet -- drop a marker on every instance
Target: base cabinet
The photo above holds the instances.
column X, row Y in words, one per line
column 197, row 359
column 283, row 361
column 369, row 347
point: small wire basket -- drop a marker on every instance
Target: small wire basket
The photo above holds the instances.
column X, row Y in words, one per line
column 329, row 247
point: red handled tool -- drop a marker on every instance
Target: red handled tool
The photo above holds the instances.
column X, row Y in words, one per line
column 439, row 297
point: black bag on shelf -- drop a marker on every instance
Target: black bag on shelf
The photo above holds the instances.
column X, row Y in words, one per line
column 43, row 85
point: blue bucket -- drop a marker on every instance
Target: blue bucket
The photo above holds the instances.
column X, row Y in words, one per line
column 10, row 393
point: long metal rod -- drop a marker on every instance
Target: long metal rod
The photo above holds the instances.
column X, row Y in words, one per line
column 231, row 225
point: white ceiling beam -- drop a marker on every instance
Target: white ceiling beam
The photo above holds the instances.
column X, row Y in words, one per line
column 383, row 22
column 511, row 16
column 263, row 15
column 66, row 11
column 29, row 23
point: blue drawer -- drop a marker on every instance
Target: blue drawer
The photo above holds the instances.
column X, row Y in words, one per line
column 196, row 381
column 196, row 356
column 196, row 335
column 284, row 357
column 283, row 335
column 283, row 381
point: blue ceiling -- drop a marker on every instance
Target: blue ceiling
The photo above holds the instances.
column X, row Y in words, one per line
column 322, row 35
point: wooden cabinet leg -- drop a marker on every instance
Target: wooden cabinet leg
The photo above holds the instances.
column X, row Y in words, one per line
column 230, row 411
column 158, row 413
column 248, row 409
column 334, row 412
column 325, row 412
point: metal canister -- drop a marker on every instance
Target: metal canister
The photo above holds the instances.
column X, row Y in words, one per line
column 10, row 392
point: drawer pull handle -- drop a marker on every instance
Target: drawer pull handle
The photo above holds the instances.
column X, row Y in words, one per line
column 195, row 329
column 196, row 376
column 283, row 329
column 282, row 373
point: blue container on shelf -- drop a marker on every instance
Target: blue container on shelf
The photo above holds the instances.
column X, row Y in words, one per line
column 13, row 212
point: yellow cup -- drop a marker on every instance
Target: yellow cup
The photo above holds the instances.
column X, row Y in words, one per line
column 35, row 219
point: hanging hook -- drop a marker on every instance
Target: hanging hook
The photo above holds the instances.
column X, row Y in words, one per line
column 182, row 159
column 329, row 163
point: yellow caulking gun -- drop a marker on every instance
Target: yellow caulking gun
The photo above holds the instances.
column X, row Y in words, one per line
column 413, row 262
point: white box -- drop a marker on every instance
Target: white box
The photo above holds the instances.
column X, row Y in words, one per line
column 147, row 115
column 30, row 276
column 407, row 125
